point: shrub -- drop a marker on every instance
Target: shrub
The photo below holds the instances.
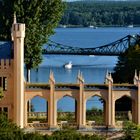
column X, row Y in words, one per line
column 129, row 129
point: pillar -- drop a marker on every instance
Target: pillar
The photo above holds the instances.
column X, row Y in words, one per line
column 110, row 103
column 81, row 105
column 134, row 111
column 18, row 34
column 25, row 114
column 138, row 103
column 76, row 111
column 105, row 113
column 47, row 111
column 52, row 112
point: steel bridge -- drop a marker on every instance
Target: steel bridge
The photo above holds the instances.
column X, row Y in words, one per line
column 115, row 48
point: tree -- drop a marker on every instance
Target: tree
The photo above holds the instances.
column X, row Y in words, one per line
column 40, row 17
column 127, row 64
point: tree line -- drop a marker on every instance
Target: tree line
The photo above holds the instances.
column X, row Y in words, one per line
column 102, row 13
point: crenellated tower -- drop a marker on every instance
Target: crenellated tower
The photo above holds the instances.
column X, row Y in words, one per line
column 18, row 35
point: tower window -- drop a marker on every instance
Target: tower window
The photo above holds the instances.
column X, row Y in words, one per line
column 3, row 83
column 4, row 110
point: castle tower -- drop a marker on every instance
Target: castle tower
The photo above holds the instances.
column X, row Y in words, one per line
column 18, row 34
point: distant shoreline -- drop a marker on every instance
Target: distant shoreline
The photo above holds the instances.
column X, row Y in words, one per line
column 94, row 27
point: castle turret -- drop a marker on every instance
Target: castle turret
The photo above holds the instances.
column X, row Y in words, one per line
column 18, row 32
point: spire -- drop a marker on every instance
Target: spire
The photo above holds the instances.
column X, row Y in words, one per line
column 15, row 19
column 51, row 78
column 80, row 77
column 110, row 77
column 139, row 75
column 107, row 74
column 107, row 77
column 136, row 78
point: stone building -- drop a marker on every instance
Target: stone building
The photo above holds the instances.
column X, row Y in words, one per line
column 17, row 92
column 12, row 74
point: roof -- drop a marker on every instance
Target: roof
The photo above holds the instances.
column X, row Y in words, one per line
column 6, row 51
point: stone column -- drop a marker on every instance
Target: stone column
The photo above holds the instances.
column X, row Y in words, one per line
column 137, row 83
column 47, row 111
column 105, row 113
column 138, row 105
column 113, row 112
column 18, row 34
column 81, row 107
column 52, row 112
column 110, row 104
column 134, row 110
column 76, row 111
column 25, row 114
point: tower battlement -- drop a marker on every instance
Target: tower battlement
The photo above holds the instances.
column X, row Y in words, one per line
column 19, row 30
column 5, row 63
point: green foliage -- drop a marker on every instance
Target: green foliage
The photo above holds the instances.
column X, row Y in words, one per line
column 66, row 116
column 130, row 130
column 102, row 13
column 41, row 120
column 127, row 64
column 96, row 115
column 40, row 17
column 8, row 130
column 33, row 136
column 74, row 135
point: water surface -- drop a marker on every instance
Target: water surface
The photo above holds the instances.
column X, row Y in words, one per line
column 93, row 68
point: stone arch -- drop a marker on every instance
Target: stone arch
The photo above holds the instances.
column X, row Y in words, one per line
column 40, row 115
column 124, row 95
column 66, row 114
column 37, row 95
column 98, row 114
column 95, row 94
column 31, row 95
column 124, row 110
column 59, row 97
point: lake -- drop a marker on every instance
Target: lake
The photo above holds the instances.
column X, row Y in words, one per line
column 92, row 67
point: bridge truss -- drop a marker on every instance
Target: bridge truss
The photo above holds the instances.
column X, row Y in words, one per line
column 115, row 48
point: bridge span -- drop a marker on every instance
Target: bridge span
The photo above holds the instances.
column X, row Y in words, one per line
column 81, row 92
column 115, row 48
